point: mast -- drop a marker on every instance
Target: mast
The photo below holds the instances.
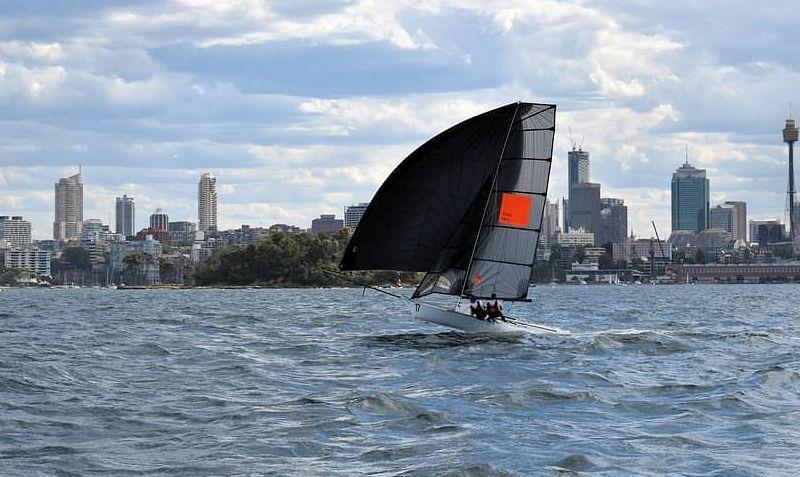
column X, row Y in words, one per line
column 488, row 199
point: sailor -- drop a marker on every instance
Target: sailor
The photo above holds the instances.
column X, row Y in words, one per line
column 494, row 310
column 476, row 309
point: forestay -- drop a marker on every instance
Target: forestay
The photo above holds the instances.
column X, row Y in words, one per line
column 466, row 207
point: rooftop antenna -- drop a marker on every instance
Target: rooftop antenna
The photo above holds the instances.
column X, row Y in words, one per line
column 571, row 139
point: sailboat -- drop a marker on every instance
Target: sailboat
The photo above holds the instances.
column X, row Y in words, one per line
column 466, row 209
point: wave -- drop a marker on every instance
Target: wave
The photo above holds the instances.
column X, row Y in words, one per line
column 451, row 339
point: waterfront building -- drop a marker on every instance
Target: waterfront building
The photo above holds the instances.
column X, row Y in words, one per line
column 326, row 224
column 590, row 273
column 159, row 220
column 613, row 221
column 142, row 269
column 68, row 208
column 126, row 216
column 690, row 198
column 633, row 250
column 94, row 239
column 740, row 273
column 14, row 231
column 584, row 206
column 740, row 232
column 564, row 214
column 207, row 203
column 575, row 237
column 353, row 214
column 34, row 260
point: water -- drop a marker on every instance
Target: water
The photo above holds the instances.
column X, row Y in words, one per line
column 701, row 380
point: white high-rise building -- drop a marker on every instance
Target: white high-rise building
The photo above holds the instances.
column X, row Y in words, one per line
column 126, row 216
column 159, row 220
column 35, row 261
column 69, row 208
column 14, row 231
column 207, row 203
column 353, row 214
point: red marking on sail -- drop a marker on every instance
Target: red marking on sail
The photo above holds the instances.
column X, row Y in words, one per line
column 515, row 209
column 477, row 279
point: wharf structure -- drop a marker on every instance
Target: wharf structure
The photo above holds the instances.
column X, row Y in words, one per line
column 739, row 273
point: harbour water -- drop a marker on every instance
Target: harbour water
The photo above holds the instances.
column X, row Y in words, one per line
column 698, row 380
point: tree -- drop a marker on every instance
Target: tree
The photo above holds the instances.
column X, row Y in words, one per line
column 580, row 254
column 10, row 276
column 606, row 261
column 288, row 260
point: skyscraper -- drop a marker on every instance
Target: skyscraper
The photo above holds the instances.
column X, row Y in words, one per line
column 68, row 208
column 578, row 164
column 578, row 173
column 690, row 196
column 584, row 206
column 741, row 219
column 207, row 203
column 159, row 220
column 126, row 216
column 613, row 221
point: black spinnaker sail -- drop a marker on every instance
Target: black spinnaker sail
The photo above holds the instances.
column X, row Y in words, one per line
column 465, row 207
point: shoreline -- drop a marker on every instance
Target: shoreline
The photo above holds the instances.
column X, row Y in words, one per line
column 335, row 287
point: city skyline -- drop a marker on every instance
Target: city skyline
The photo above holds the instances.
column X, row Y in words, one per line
column 292, row 134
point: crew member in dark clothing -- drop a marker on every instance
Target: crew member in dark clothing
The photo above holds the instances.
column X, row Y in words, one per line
column 494, row 310
column 476, row 309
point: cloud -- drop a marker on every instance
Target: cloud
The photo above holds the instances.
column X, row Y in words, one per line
column 302, row 107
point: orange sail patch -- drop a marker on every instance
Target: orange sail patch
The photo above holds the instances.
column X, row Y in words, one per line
column 515, row 209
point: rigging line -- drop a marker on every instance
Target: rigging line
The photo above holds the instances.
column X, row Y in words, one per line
column 488, row 199
column 365, row 285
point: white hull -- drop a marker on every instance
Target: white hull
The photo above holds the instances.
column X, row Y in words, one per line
column 460, row 319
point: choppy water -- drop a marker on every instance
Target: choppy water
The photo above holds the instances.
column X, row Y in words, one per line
column 701, row 380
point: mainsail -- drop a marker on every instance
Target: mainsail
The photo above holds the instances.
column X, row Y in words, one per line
column 465, row 207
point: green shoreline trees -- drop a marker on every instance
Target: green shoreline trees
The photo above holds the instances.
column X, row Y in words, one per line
column 289, row 260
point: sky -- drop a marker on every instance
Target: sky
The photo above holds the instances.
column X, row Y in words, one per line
column 301, row 107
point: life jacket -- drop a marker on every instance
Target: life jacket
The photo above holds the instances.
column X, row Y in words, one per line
column 492, row 308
